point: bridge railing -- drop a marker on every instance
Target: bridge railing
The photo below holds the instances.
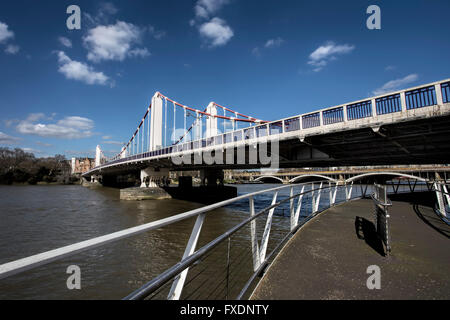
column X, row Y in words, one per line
column 423, row 96
column 443, row 200
column 190, row 275
column 302, row 206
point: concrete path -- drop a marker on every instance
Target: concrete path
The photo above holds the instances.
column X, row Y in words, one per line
column 328, row 258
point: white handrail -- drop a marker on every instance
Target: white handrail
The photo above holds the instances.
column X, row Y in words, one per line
column 24, row 264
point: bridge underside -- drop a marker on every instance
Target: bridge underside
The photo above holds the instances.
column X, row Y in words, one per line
column 424, row 141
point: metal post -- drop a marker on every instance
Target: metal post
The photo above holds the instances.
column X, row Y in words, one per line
column 440, row 198
column 334, row 194
column 291, row 203
column 265, row 238
column 348, row 193
column 178, row 283
column 316, row 208
column 228, row 266
column 294, row 219
column 255, row 245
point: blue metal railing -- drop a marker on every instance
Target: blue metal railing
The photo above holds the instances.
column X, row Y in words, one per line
column 445, row 89
column 292, row 124
column 389, row 104
column 311, row 120
column 359, row 110
column 420, row 98
column 333, row 115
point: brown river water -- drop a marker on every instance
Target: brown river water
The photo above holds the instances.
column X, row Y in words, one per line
column 35, row 219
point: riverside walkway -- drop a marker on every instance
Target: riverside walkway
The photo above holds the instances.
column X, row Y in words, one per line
column 328, row 258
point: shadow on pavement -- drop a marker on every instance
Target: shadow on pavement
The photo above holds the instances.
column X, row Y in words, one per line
column 365, row 230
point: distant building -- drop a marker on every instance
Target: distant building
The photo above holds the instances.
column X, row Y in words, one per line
column 82, row 165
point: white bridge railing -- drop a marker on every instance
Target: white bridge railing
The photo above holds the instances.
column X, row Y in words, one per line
column 304, row 201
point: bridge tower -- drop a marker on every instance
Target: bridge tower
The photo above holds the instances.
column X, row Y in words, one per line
column 211, row 122
column 154, row 177
column 98, row 156
column 123, row 153
column 156, row 123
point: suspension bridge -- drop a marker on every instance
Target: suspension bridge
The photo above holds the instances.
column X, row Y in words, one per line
column 403, row 127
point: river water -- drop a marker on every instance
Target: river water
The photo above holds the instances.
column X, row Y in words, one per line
column 35, row 219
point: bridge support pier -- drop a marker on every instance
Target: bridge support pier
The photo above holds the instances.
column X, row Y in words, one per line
column 210, row 177
column 154, row 177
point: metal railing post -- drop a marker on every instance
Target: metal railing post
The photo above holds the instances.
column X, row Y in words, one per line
column 255, row 245
column 294, row 218
column 440, row 198
column 348, row 193
column 178, row 283
column 265, row 238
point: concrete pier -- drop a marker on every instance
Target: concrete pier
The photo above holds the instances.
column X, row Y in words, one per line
column 137, row 194
column 200, row 194
column 328, row 258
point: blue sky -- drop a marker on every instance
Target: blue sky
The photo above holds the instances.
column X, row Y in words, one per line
column 65, row 91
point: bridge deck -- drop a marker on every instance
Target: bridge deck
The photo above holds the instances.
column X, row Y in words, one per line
column 327, row 260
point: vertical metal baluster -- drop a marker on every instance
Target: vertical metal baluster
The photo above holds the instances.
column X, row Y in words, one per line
column 228, row 266
column 255, row 245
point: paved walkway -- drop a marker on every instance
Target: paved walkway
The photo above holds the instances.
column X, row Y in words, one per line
column 327, row 260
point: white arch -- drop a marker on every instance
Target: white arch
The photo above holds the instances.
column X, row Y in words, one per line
column 268, row 177
column 397, row 174
column 312, row 175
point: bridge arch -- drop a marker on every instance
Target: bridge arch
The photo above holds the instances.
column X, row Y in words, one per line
column 269, row 179
column 393, row 174
column 307, row 176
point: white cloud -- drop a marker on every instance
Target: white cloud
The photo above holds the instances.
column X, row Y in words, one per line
column 80, row 71
column 5, row 34
column 107, row 8
column 6, row 139
column 139, row 52
column 117, row 143
column 256, row 52
column 216, row 32
column 157, row 34
column 390, row 68
column 273, row 43
column 205, row 8
column 396, row 84
column 44, row 144
column 72, row 127
column 104, row 12
column 12, row 49
column 65, row 42
column 114, row 42
column 320, row 57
